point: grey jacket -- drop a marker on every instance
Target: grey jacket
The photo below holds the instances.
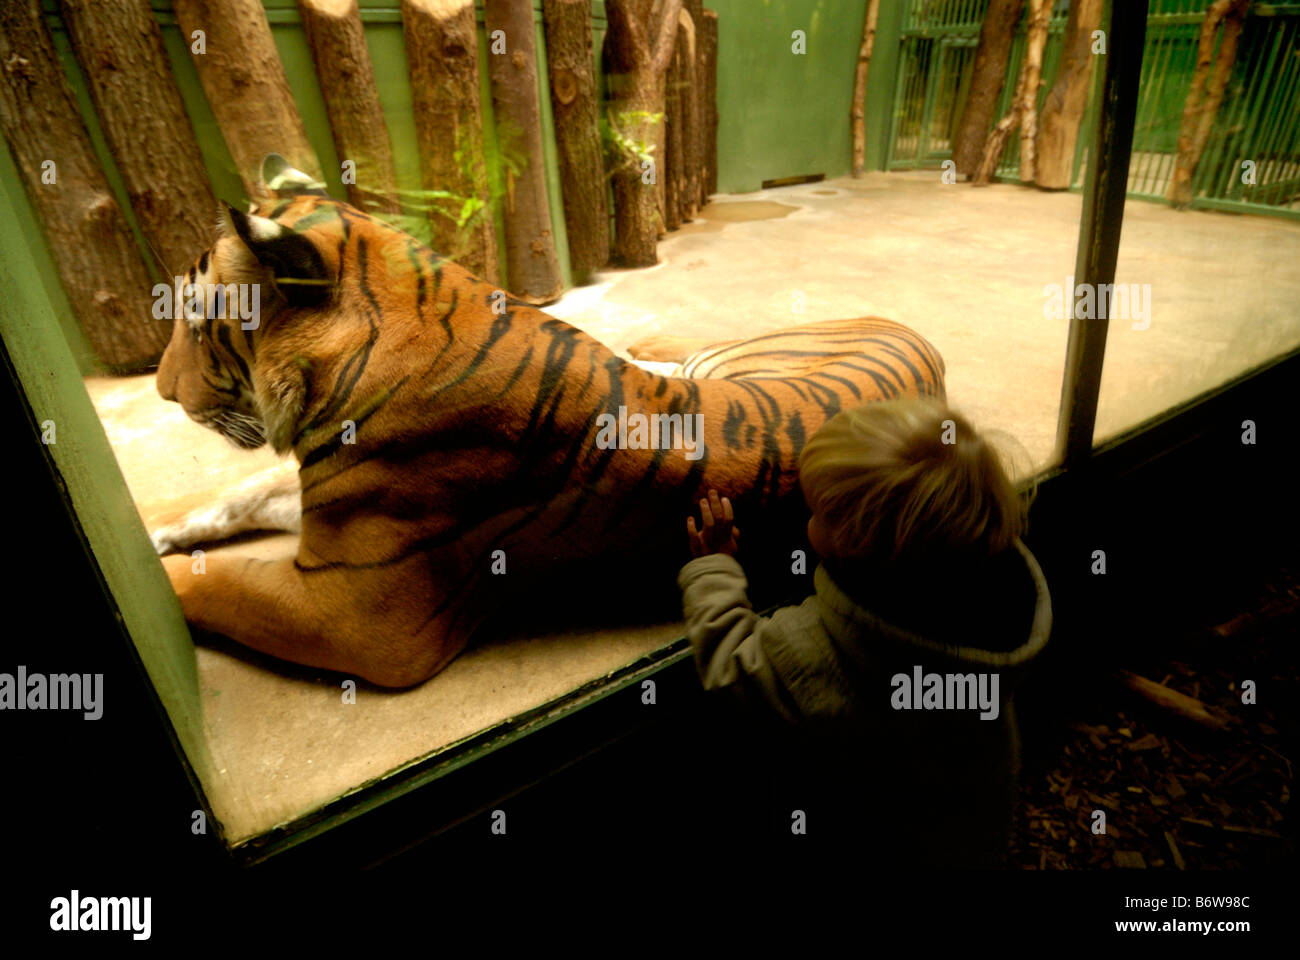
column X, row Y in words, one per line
column 940, row 782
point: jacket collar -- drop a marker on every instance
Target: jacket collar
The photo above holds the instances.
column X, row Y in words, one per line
column 851, row 619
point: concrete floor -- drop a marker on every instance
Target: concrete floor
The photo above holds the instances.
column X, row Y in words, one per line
column 965, row 267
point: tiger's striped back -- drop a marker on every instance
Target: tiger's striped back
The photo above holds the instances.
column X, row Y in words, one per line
column 868, row 351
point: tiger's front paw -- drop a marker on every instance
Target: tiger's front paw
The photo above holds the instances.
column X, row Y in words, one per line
column 208, row 524
column 168, row 539
column 171, row 523
column 203, row 526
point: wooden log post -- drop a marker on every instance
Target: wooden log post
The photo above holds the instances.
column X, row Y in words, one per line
column 659, row 135
column 1062, row 113
column 1040, row 14
column 639, row 48
column 689, row 18
column 1206, row 92
column 1023, row 111
column 442, row 56
column 858, row 111
column 240, row 70
column 708, row 53
column 120, row 49
column 577, row 133
column 987, row 77
column 347, row 81
column 532, row 267
column 674, row 171
column 108, row 286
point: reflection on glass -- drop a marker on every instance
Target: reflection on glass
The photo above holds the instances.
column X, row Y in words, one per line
column 1212, row 290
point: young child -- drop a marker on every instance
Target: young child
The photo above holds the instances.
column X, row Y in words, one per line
column 896, row 675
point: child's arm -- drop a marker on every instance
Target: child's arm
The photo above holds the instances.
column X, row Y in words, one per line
column 730, row 641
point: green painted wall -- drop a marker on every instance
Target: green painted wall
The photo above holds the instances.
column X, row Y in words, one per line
column 782, row 114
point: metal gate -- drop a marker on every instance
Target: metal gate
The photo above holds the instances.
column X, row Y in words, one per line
column 1256, row 134
column 936, row 52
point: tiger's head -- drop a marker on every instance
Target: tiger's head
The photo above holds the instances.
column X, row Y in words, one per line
column 269, row 271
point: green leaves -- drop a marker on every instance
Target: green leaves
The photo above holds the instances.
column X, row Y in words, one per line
column 626, row 150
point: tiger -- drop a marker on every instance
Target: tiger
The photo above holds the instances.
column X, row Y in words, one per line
column 439, row 426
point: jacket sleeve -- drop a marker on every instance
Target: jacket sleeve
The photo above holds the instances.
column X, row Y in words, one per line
column 732, row 644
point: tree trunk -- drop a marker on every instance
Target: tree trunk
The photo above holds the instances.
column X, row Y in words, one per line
column 577, row 133
column 107, row 284
column 120, row 50
column 246, row 87
column 347, row 82
column 532, row 267
column 659, row 135
column 1024, row 105
column 1040, row 12
column 859, row 109
column 639, row 45
column 1063, row 109
column 636, row 208
column 1202, row 104
column 692, row 13
column 442, row 55
column 988, row 75
column 674, row 172
column 707, row 37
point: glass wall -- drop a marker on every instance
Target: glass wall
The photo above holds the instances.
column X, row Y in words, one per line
column 1206, row 293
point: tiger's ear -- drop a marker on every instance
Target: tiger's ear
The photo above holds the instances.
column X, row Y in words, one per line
column 296, row 264
column 284, row 180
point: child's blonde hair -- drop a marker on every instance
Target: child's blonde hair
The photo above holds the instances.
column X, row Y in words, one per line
column 909, row 482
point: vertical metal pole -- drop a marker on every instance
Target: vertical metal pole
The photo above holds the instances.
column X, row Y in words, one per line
column 934, row 70
column 900, row 88
column 1099, row 226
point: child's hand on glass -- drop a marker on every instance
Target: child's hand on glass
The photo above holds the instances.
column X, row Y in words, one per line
column 719, row 534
